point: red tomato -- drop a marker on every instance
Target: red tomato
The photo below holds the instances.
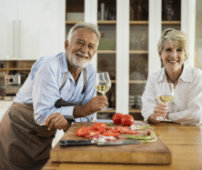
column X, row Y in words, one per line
column 83, row 131
column 111, row 133
column 99, row 127
column 126, row 130
column 122, row 129
column 127, row 120
column 132, row 132
column 117, row 118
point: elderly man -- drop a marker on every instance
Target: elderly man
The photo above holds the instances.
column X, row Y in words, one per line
column 59, row 90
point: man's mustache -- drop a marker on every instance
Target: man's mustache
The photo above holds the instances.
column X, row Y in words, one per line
column 82, row 54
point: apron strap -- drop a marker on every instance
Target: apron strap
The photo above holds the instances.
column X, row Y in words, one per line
column 85, row 80
column 84, row 77
column 63, row 80
column 60, row 102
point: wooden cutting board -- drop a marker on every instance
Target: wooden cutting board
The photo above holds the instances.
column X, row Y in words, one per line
column 144, row 153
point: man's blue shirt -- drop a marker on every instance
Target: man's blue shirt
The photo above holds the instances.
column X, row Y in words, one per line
column 42, row 88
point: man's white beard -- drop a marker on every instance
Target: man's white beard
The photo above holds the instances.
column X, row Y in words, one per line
column 77, row 62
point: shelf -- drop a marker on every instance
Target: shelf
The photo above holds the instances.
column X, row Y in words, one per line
column 137, row 81
column 114, row 52
column 134, row 111
column 108, row 22
column 17, row 59
column 3, row 69
column 107, row 111
column 171, row 22
column 18, row 69
column 106, row 51
column 133, row 81
column 139, row 22
column 113, row 111
column 138, row 52
column 112, row 22
column 72, row 22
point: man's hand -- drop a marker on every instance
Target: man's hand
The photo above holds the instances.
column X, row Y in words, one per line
column 160, row 110
column 57, row 121
column 97, row 103
column 94, row 105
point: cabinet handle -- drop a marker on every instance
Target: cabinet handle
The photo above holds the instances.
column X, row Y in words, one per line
column 19, row 39
column 13, row 39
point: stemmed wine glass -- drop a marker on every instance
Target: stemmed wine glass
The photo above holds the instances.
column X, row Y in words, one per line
column 103, row 84
column 165, row 94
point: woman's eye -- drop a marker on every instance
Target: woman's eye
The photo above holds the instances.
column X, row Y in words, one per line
column 179, row 49
column 168, row 49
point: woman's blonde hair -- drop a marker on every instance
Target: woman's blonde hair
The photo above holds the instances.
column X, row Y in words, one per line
column 179, row 39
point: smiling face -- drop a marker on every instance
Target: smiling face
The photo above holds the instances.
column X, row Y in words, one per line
column 82, row 48
column 172, row 57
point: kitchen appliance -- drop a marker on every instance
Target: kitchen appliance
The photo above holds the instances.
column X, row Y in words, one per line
column 13, row 79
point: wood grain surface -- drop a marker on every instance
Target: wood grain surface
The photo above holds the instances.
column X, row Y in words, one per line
column 185, row 143
column 145, row 153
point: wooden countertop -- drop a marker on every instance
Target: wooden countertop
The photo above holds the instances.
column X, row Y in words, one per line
column 185, row 143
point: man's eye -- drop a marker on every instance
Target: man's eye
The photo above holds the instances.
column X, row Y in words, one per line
column 91, row 47
column 81, row 43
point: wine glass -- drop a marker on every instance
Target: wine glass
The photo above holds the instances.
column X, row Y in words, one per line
column 103, row 84
column 165, row 94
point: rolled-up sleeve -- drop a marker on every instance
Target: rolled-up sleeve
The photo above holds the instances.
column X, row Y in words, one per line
column 45, row 93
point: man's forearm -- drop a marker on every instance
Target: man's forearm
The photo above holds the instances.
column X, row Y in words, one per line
column 81, row 111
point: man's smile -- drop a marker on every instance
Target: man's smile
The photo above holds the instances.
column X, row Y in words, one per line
column 80, row 54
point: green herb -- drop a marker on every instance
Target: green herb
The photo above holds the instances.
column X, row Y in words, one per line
column 144, row 139
column 144, row 127
column 109, row 124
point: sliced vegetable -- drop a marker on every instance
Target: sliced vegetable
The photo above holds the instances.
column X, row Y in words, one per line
column 83, row 131
column 99, row 127
column 126, row 130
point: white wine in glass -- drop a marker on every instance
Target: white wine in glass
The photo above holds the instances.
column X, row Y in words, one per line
column 165, row 93
column 103, row 84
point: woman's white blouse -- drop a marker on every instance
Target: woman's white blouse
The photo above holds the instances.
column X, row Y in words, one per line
column 186, row 107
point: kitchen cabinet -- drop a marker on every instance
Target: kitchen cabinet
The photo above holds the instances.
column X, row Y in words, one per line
column 130, row 30
column 31, row 29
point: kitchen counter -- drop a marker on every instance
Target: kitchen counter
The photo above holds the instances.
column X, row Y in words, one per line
column 185, row 143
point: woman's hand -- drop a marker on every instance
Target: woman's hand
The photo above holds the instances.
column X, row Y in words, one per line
column 160, row 110
column 57, row 121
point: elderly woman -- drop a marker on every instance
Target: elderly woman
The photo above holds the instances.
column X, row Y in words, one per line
column 186, row 107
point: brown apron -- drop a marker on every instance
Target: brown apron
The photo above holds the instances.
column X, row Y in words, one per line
column 24, row 145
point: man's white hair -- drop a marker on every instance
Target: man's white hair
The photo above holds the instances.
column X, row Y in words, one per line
column 88, row 26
